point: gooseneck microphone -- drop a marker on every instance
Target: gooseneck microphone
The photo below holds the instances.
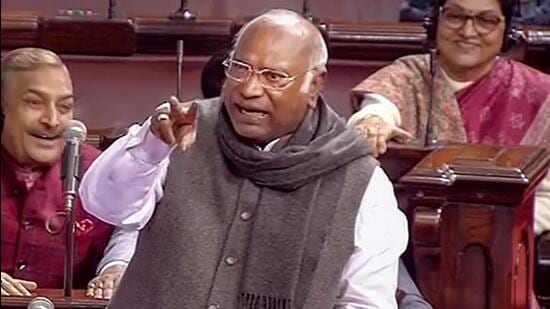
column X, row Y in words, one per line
column 75, row 135
column 41, row 302
column 430, row 138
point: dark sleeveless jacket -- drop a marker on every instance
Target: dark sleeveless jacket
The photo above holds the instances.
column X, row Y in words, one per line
column 219, row 240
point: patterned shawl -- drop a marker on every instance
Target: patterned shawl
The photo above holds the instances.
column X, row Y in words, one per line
column 508, row 106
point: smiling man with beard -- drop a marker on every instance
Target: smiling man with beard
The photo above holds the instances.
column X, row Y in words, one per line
column 37, row 104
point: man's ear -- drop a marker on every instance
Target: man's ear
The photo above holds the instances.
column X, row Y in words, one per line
column 316, row 85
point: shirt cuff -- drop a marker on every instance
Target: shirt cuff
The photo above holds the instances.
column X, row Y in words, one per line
column 145, row 146
column 111, row 263
column 374, row 104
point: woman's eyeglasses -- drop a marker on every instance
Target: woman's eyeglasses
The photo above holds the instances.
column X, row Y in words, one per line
column 484, row 22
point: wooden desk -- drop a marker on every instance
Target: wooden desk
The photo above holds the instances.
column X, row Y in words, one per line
column 79, row 300
column 470, row 210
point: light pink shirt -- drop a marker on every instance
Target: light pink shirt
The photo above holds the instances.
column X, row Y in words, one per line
column 123, row 186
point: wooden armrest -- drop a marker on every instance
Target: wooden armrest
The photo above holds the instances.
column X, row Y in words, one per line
column 78, row 300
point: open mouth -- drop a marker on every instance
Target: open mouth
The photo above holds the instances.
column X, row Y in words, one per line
column 252, row 112
column 46, row 137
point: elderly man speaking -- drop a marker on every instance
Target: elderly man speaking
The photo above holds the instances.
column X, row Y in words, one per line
column 265, row 198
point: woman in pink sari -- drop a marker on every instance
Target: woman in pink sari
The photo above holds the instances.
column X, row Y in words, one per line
column 476, row 95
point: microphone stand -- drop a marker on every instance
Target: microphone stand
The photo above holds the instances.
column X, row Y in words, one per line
column 179, row 68
column 430, row 139
column 306, row 12
column 69, row 197
column 431, row 46
column 183, row 13
column 69, row 243
column 113, row 12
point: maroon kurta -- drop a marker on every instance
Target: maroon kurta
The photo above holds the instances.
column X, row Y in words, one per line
column 29, row 251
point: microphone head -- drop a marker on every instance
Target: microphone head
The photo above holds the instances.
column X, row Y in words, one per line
column 41, row 303
column 75, row 130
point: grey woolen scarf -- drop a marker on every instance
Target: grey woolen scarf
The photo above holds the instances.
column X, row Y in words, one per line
column 321, row 144
column 291, row 222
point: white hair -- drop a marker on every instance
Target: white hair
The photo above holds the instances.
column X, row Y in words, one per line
column 26, row 59
column 319, row 55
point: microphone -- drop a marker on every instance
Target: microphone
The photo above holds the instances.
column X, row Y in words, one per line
column 40, row 302
column 75, row 135
column 430, row 138
column 179, row 51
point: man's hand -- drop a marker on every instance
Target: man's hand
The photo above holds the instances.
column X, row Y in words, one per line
column 104, row 285
column 16, row 287
column 175, row 123
column 379, row 133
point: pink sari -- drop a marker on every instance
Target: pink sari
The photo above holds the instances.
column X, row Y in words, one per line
column 500, row 108
column 509, row 106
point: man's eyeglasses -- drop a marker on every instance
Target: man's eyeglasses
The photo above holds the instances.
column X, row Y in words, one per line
column 456, row 18
column 269, row 79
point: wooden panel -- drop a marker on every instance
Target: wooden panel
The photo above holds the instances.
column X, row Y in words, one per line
column 537, row 51
column 368, row 41
column 201, row 37
column 472, row 226
column 381, row 41
column 469, row 171
column 20, row 29
column 115, row 92
column 88, row 35
column 349, row 10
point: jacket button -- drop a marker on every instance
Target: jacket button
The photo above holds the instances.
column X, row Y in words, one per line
column 27, row 224
column 16, row 192
column 246, row 215
column 21, row 265
column 230, row 260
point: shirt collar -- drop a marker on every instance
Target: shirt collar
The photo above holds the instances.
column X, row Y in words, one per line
column 269, row 146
